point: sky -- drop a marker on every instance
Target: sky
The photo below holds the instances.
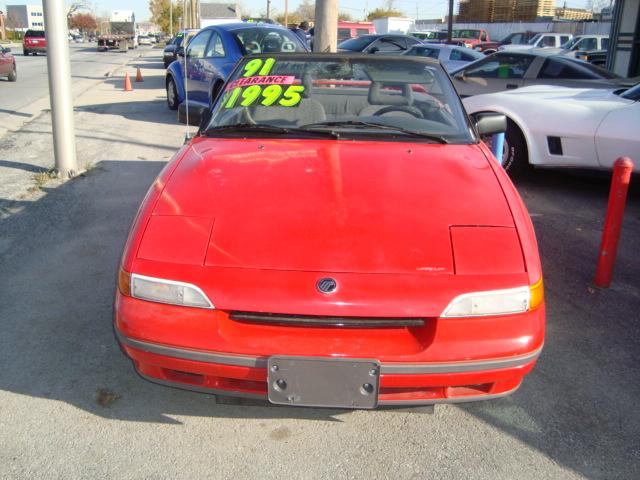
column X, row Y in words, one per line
column 356, row 8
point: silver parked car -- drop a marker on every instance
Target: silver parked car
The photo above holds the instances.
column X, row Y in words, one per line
column 452, row 57
column 514, row 69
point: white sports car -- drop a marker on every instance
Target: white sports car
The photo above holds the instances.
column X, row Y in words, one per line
column 565, row 127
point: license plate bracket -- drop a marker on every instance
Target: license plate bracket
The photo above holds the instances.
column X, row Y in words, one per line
column 323, row 382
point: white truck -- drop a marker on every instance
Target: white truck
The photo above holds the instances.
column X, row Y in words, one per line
column 120, row 33
column 398, row 25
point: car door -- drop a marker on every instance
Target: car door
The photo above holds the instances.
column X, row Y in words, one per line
column 195, row 77
column 5, row 62
column 498, row 72
column 215, row 57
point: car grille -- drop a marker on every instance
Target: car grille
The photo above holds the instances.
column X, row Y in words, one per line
column 326, row 321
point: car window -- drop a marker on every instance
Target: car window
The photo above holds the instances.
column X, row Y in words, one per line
column 564, row 39
column 361, row 31
column 424, row 52
column 534, row 39
column 468, row 56
column 570, row 68
column 215, row 48
column 605, row 43
column 455, row 54
column 34, row 33
column 587, row 44
column 267, row 40
column 501, row 66
column 389, row 45
column 547, row 42
column 517, row 39
column 344, row 34
column 357, row 44
column 198, row 45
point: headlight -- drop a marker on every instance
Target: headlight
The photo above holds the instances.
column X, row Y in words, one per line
column 163, row 291
column 496, row 302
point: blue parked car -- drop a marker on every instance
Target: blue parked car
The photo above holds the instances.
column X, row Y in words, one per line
column 212, row 54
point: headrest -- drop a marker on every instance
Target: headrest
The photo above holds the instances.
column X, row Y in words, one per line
column 377, row 97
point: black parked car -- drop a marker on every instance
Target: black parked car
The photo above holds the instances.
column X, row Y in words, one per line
column 388, row 44
column 170, row 52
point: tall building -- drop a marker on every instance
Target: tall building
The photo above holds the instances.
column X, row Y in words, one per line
column 25, row 17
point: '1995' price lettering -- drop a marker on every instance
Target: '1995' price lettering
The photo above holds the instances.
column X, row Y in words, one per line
column 264, row 95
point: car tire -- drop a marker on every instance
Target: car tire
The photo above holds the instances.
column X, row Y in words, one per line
column 172, row 94
column 13, row 74
column 515, row 159
column 25, row 53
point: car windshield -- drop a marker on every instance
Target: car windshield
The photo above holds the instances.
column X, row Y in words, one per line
column 337, row 96
column 632, row 93
column 571, row 43
column 534, row 39
column 267, row 40
column 34, row 33
column 357, row 44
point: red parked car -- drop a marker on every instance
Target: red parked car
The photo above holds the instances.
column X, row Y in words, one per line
column 336, row 235
column 34, row 42
column 8, row 64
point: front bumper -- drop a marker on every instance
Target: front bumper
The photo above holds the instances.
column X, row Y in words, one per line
column 400, row 383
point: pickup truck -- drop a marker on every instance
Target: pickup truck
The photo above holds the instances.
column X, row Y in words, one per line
column 470, row 37
column 541, row 40
column 516, row 38
column 34, row 42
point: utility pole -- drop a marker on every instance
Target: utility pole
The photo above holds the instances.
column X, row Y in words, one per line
column 286, row 13
column 268, row 8
column 64, row 145
column 170, row 18
column 325, row 34
column 450, row 22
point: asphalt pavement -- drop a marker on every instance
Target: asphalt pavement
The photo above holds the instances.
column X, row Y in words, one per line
column 23, row 100
column 71, row 405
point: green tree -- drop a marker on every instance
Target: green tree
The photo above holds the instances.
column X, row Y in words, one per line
column 160, row 14
column 345, row 17
column 384, row 12
column 306, row 10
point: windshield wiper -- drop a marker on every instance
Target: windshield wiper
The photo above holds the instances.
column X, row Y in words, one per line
column 381, row 126
column 256, row 127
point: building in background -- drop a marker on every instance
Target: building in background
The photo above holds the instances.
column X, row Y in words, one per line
column 25, row 17
column 218, row 13
column 491, row 11
column 573, row 14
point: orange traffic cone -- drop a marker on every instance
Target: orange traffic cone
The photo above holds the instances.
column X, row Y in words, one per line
column 139, row 76
column 127, row 83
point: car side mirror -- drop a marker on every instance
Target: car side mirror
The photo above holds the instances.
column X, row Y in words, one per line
column 180, row 51
column 374, row 50
column 196, row 114
column 489, row 123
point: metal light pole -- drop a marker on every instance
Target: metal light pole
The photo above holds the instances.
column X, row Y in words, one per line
column 57, row 35
column 170, row 18
column 450, row 22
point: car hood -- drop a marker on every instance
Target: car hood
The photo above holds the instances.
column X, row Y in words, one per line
column 339, row 206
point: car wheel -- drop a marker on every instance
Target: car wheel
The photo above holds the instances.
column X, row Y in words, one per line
column 172, row 94
column 515, row 156
column 13, row 74
column 25, row 52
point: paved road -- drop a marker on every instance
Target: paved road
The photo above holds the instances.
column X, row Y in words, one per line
column 23, row 100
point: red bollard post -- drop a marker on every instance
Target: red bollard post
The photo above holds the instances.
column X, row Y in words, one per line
column 622, row 169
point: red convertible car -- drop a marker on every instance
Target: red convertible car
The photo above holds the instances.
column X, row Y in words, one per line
column 336, row 235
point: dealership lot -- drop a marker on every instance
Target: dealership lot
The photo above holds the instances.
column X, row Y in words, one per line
column 71, row 404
